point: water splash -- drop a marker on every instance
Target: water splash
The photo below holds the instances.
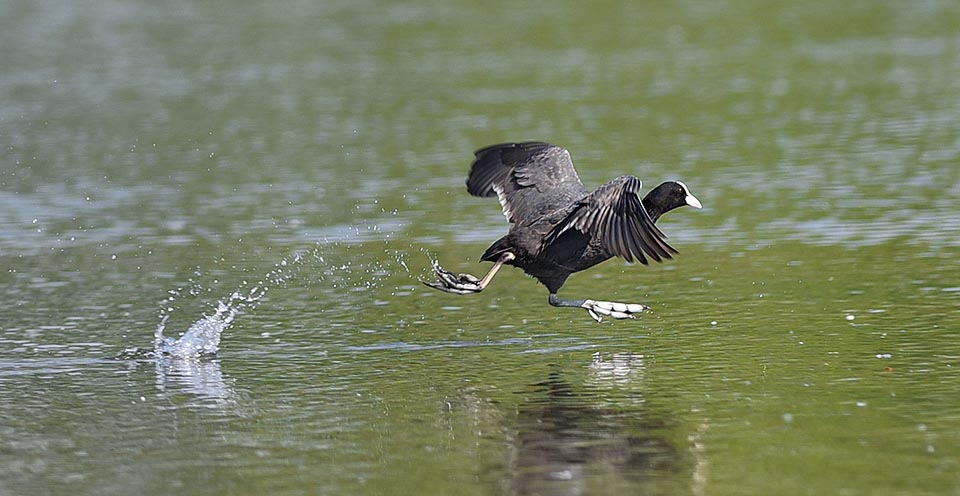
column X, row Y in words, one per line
column 203, row 336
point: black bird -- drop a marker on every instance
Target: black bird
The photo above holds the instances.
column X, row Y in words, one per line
column 559, row 227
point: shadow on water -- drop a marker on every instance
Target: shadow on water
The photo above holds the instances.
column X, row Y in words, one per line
column 571, row 440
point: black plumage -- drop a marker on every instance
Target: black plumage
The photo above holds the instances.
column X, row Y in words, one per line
column 558, row 226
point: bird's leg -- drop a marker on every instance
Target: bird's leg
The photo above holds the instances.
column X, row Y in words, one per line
column 465, row 283
column 597, row 308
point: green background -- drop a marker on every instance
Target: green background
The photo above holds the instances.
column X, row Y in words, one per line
column 805, row 341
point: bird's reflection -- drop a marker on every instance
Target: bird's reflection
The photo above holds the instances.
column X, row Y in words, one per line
column 616, row 370
column 572, row 441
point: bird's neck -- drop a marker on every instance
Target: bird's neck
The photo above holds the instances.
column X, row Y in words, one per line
column 652, row 208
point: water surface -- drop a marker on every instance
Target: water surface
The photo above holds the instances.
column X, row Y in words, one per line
column 158, row 159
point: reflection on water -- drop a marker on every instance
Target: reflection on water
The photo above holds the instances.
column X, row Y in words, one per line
column 619, row 369
column 199, row 377
column 571, row 442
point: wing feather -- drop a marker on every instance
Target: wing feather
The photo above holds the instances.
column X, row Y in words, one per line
column 530, row 179
column 615, row 215
column 634, row 243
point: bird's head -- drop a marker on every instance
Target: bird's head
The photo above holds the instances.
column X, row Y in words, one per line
column 668, row 196
column 680, row 190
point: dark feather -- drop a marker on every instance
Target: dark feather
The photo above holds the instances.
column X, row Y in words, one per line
column 530, row 179
column 615, row 214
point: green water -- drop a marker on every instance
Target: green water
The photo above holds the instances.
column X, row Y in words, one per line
column 805, row 341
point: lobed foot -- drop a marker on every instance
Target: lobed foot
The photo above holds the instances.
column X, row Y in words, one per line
column 454, row 283
column 612, row 309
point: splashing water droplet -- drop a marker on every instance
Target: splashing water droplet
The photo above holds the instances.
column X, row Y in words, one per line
column 202, row 338
column 204, row 335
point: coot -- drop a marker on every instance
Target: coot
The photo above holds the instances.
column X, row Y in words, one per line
column 559, row 227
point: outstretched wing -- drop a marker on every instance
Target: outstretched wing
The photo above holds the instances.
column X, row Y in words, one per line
column 530, row 179
column 614, row 213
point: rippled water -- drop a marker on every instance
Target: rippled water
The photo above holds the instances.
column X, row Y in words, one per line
column 258, row 191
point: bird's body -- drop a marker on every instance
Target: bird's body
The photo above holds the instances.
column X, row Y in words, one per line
column 558, row 226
